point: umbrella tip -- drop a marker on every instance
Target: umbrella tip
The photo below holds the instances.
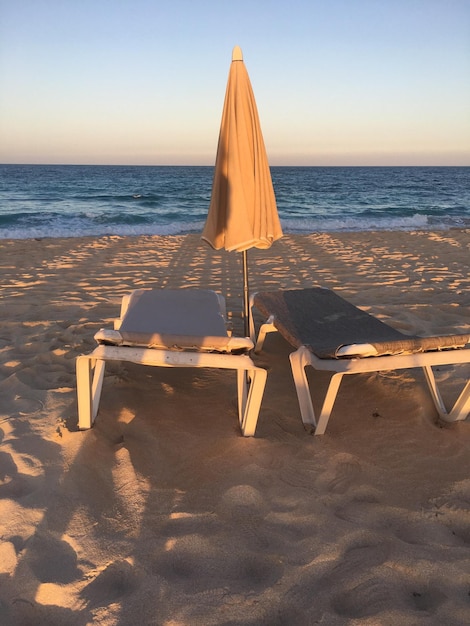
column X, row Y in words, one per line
column 237, row 54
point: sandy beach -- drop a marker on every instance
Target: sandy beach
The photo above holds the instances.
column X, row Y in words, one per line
column 163, row 515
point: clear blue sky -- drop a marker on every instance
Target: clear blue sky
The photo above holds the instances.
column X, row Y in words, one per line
column 337, row 82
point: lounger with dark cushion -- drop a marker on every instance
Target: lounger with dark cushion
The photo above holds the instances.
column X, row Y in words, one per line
column 329, row 333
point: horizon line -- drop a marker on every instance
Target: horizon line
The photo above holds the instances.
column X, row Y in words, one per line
column 55, row 164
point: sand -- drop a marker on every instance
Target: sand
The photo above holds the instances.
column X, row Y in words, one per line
column 162, row 514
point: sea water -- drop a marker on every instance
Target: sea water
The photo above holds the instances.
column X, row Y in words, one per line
column 72, row 201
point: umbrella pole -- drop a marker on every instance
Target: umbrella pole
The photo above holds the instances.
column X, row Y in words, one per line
column 246, row 295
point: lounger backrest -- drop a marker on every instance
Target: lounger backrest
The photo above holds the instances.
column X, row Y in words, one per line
column 177, row 318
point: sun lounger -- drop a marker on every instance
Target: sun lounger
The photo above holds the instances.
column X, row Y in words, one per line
column 332, row 334
column 172, row 328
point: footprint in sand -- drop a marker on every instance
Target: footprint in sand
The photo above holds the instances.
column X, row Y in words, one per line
column 368, row 598
column 244, row 508
column 195, row 563
column 19, row 406
column 306, row 598
column 301, row 473
column 356, row 560
column 46, row 378
column 428, row 600
column 369, row 514
column 117, row 580
column 13, row 483
column 426, row 533
column 453, row 508
column 27, row 406
column 342, row 475
column 52, row 560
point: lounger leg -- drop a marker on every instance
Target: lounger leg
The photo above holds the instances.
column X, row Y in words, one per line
column 299, row 360
column 250, row 395
column 435, row 393
column 242, row 391
column 84, row 394
column 97, row 386
column 328, row 403
column 298, row 363
column 88, row 389
column 267, row 327
column 461, row 407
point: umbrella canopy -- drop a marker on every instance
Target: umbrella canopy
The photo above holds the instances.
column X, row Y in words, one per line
column 242, row 212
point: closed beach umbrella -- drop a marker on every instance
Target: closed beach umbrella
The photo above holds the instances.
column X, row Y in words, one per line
column 242, row 212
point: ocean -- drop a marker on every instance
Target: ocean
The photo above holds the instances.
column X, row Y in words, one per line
column 71, row 201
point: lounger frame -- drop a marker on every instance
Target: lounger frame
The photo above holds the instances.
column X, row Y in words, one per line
column 303, row 357
column 90, row 369
column 251, row 380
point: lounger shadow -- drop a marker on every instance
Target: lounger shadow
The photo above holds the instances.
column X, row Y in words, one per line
column 332, row 334
column 172, row 328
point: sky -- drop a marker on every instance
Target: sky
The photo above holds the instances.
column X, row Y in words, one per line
column 337, row 82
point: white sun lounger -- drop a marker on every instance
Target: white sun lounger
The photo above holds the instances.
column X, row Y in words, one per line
column 172, row 328
column 332, row 334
